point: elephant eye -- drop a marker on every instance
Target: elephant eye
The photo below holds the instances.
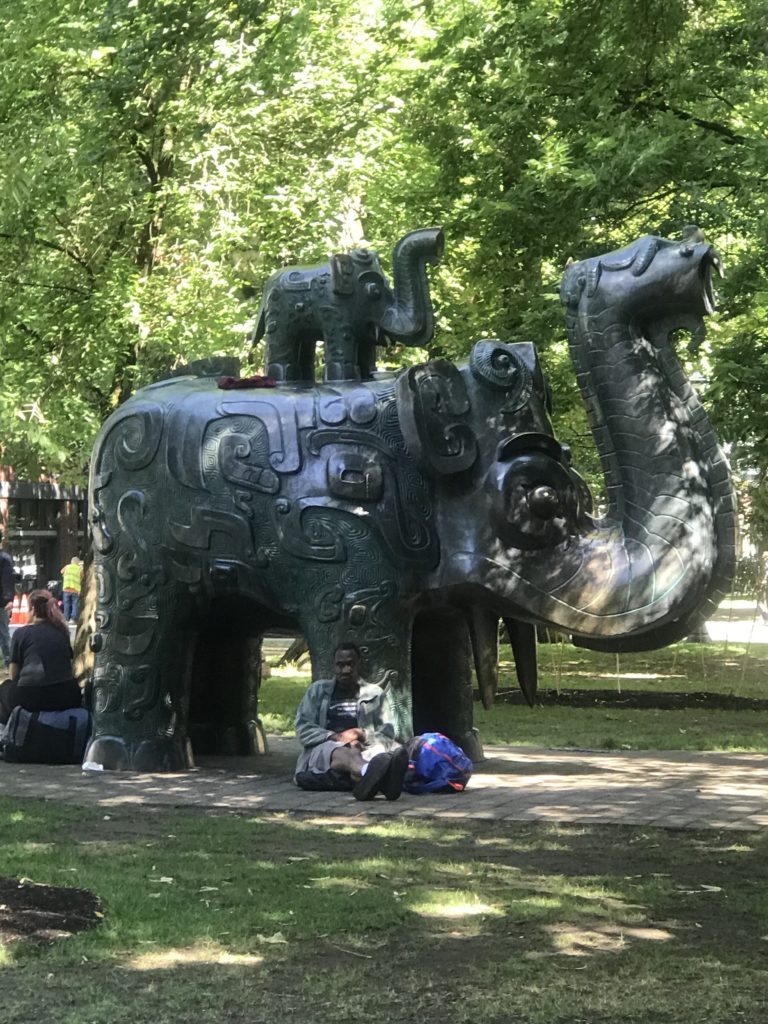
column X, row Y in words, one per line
column 535, row 503
column 544, row 501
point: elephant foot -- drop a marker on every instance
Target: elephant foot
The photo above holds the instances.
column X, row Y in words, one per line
column 341, row 371
column 471, row 744
column 156, row 755
column 287, row 373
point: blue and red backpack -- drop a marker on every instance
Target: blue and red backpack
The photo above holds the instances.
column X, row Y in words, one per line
column 436, row 765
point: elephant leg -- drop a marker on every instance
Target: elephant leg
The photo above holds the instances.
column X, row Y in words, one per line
column 284, row 357
column 340, row 347
column 386, row 660
column 141, row 688
column 366, row 359
column 306, row 359
column 442, row 678
column 224, row 691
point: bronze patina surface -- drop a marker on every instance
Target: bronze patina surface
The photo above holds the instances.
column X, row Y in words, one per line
column 408, row 514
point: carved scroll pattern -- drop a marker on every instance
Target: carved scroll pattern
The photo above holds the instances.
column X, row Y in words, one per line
column 356, row 602
column 130, row 441
column 127, row 571
column 235, row 451
column 279, row 421
column 128, row 580
column 433, row 406
column 397, row 494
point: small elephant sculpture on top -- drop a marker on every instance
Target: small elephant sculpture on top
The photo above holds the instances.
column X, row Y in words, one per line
column 349, row 304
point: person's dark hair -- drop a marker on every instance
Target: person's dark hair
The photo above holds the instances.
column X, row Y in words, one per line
column 44, row 606
column 348, row 645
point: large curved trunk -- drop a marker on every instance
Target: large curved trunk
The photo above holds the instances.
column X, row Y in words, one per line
column 668, row 482
column 662, row 559
column 409, row 319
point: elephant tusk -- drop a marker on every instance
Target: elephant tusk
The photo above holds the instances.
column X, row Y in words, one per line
column 522, row 639
column 484, row 634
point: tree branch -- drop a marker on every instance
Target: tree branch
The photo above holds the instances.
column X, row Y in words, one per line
column 149, row 164
column 726, row 133
column 730, row 136
column 48, row 287
column 56, row 247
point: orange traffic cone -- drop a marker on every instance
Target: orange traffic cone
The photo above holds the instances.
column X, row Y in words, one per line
column 24, row 608
column 16, row 619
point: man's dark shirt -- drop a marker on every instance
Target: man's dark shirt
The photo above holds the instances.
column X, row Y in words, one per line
column 342, row 711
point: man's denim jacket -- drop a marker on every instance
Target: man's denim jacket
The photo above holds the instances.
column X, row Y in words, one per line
column 374, row 714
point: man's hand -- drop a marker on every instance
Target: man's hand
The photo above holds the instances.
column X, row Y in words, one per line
column 353, row 737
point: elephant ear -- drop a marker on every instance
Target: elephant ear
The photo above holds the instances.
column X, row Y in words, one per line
column 511, row 367
column 432, row 401
column 342, row 274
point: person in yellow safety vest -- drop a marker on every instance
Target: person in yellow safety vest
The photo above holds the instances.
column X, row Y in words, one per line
column 72, row 577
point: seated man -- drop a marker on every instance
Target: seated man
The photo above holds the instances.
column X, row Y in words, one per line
column 347, row 743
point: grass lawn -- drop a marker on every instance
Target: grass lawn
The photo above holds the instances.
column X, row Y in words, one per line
column 717, row 668
column 237, row 920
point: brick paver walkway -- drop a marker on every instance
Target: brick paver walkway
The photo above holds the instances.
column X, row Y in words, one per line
column 667, row 789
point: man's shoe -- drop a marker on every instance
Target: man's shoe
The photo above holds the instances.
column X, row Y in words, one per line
column 370, row 784
column 392, row 785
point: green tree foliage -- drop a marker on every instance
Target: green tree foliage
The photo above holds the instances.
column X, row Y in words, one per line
column 161, row 158
column 568, row 129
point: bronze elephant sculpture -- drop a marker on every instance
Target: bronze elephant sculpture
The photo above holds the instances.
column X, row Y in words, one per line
column 349, row 304
column 409, row 514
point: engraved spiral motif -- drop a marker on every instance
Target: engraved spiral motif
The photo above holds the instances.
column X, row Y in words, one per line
column 107, row 689
column 495, row 365
column 137, row 430
column 389, row 425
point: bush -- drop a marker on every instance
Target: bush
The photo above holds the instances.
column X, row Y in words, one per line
column 748, row 576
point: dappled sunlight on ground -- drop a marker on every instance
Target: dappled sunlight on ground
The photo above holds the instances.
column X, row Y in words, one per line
column 453, row 905
column 350, row 884
column 171, row 958
column 458, row 915
column 671, row 789
column 581, row 941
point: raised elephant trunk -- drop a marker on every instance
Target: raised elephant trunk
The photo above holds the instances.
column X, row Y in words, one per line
column 670, row 499
column 663, row 558
column 409, row 319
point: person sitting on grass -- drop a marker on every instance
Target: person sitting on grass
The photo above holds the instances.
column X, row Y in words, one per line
column 41, row 677
column 349, row 745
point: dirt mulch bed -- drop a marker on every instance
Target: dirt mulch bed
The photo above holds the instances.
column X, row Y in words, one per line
column 641, row 699
column 44, row 913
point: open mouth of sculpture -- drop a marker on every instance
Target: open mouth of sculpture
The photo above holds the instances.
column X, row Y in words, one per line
column 711, row 264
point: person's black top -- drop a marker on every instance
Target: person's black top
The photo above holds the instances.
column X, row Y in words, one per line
column 342, row 711
column 7, row 579
column 45, row 682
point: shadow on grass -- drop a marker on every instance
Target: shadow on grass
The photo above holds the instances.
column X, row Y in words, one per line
column 218, row 916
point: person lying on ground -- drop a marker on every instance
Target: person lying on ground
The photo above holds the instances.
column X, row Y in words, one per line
column 41, row 677
column 349, row 741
